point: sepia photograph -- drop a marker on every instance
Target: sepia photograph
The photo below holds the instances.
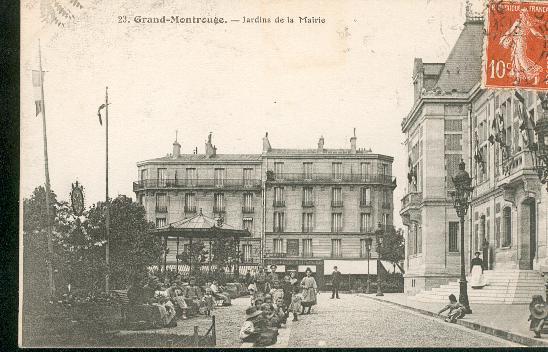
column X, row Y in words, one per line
column 283, row 174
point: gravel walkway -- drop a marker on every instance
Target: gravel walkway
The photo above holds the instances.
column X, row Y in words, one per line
column 354, row 321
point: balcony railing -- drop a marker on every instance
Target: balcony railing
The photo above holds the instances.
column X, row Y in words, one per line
column 218, row 209
column 161, row 208
column 196, row 183
column 190, row 208
column 517, row 164
column 279, row 203
column 336, row 203
column 412, row 199
column 248, row 210
column 308, row 204
column 331, row 178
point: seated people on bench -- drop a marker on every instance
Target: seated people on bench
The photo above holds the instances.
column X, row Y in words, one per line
column 254, row 329
column 176, row 296
column 219, row 294
column 166, row 309
column 193, row 296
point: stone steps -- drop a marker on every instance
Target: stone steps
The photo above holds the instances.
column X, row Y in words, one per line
column 506, row 287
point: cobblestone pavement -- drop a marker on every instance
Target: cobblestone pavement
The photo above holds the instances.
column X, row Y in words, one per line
column 354, row 321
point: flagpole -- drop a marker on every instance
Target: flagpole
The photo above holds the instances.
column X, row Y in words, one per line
column 46, row 170
column 107, row 254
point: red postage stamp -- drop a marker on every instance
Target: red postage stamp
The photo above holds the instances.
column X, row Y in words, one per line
column 516, row 48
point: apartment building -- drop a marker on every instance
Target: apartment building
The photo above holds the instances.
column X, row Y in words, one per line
column 304, row 207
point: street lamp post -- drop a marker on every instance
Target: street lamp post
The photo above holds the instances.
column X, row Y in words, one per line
column 379, row 264
column 368, row 242
column 461, row 202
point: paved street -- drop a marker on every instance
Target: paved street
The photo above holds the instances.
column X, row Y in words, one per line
column 354, row 321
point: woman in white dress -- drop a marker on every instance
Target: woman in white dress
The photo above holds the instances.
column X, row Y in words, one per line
column 476, row 270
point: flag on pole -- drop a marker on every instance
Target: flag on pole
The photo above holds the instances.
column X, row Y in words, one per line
column 478, row 157
column 99, row 113
column 37, row 84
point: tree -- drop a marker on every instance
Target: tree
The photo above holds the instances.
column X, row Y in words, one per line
column 132, row 247
column 393, row 246
column 194, row 256
column 224, row 252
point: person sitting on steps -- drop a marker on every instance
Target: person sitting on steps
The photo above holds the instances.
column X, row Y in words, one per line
column 456, row 310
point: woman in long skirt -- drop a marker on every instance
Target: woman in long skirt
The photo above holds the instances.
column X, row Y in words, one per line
column 476, row 269
column 309, row 287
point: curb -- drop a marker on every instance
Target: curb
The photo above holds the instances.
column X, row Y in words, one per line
column 503, row 334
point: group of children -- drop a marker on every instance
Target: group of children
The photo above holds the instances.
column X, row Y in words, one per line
column 269, row 311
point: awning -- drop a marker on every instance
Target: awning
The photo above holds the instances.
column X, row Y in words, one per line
column 357, row 267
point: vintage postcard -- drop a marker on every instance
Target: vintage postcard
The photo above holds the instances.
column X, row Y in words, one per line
column 292, row 173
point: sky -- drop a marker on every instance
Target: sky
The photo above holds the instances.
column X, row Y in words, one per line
column 238, row 80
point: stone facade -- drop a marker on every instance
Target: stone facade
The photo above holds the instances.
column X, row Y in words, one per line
column 452, row 119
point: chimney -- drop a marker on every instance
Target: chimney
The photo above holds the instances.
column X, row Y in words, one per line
column 176, row 148
column 320, row 145
column 353, row 143
column 210, row 149
column 266, row 144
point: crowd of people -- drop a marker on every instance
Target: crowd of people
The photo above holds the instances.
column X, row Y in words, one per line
column 156, row 304
column 273, row 301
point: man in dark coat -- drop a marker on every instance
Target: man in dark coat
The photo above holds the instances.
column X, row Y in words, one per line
column 336, row 281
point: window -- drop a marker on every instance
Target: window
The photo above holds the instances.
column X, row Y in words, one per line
column 385, row 220
column 307, row 171
column 453, row 236
column 144, row 174
column 279, row 197
column 336, row 248
column 497, row 232
column 385, row 169
column 161, row 222
column 248, row 175
column 337, row 171
column 191, row 177
column 365, row 197
column 365, row 170
column 308, row 222
column 279, row 221
column 308, row 197
column 453, row 142
column 219, row 177
column 162, row 176
column 336, row 197
column 161, row 203
column 507, row 228
column 248, row 224
column 307, row 248
column 190, row 205
column 336, row 222
column 247, row 251
column 386, row 199
column 365, row 222
column 248, row 203
column 278, row 245
column 278, row 171
column 292, row 247
column 219, row 203
column 142, row 199
column 363, row 248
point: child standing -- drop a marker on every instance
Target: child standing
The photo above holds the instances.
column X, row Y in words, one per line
column 295, row 306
